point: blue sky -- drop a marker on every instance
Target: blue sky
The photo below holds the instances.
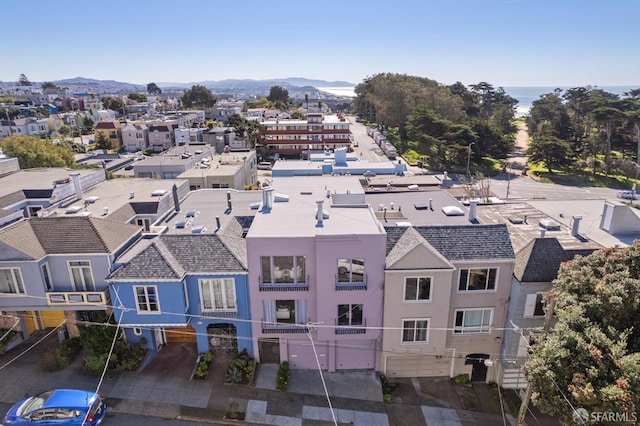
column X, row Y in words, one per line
column 503, row 42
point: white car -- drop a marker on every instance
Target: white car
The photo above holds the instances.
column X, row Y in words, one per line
column 627, row 195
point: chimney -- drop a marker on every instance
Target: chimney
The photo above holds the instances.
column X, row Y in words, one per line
column 575, row 229
column 430, row 203
column 473, row 205
column 319, row 223
column 391, row 206
column 543, row 232
column 267, row 199
column 132, row 195
column 76, row 184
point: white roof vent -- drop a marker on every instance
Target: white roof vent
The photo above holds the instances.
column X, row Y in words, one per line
column 549, row 225
column 158, row 192
column 85, row 214
column 197, row 229
column 280, row 198
column 73, row 209
column 452, row 211
column 192, row 213
column 92, row 199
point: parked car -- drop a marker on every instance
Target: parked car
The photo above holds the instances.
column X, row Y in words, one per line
column 264, row 165
column 59, row 407
column 627, row 195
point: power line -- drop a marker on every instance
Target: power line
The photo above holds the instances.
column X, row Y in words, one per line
column 324, row 384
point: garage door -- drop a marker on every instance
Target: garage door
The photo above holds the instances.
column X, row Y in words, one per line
column 301, row 355
column 51, row 318
column 417, row 366
column 31, row 321
column 355, row 355
column 180, row 335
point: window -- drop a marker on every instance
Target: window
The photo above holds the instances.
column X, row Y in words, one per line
column 349, row 314
column 137, row 331
column 533, row 306
column 46, row 276
column 144, row 223
column 81, row 275
column 415, row 330
column 417, row 289
column 285, row 311
column 350, row 270
column 283, row 269
column 11, row 281
column 477, row 279
column 218, row 294
column 147, row 299
column 473, row 321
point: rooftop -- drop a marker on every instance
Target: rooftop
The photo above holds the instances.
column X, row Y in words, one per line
column 295, row 206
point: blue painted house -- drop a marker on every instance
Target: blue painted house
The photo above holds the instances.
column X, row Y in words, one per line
column 185, row 288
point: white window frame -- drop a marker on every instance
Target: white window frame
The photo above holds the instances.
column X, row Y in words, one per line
column 414, row 329
column 17, row 284
column 229, row 301
column 83, row 284
column 530, row 305
column 46, row 276
column 486, row 289
column 417, row 300
column 137, row 331
column 147, row 303
column 350, row 269
column 349, row 314
column 481, row 329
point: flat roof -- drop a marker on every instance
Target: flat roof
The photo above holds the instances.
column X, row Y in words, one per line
column 113, row 194
column 523, row 222
column 326, row 118
column 43, row 178
column 412, row 208
column 343, row 200
column 201, row 207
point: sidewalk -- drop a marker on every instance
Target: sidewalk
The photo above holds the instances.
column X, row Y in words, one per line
column 356, row 396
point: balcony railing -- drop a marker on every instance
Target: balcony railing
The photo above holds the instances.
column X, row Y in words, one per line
column 351, row 286
column 280, row 327
column 351, row 328
column 58, row 298
column 282, row 286
column 219, row 314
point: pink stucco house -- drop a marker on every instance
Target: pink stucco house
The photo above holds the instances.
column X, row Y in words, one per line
column 316, row 256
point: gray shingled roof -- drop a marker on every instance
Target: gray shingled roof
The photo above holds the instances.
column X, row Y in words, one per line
column 38, row 236
column 172, row 256
column 81, row 234
column 464, row 242
column 540, row 260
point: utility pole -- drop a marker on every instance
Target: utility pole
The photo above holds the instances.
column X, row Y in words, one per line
column 527, row 395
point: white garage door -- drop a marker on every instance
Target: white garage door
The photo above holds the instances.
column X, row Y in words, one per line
column 417, row 366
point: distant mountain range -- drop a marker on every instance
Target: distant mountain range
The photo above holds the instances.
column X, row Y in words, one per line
column 296, row 83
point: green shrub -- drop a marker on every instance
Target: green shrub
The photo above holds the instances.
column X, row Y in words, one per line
column 283, row 377
column 387, row 398
column 462, row 379
column 67, row 352
column 202, row 369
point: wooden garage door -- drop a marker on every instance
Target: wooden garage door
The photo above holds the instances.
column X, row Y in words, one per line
column 417, row 366
column 31, row 321
column 51, row 318
column 180, row 335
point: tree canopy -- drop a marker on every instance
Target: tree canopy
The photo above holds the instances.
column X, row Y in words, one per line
column 138, row 97
column 24, row 81
column 279, row 96
column 114, row 104
column 592, row 123
column 153, row 89
column 198, row 97
column 33, row 152
column 437, row 121
column 591, row 357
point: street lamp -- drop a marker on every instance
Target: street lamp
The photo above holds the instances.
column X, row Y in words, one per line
column 469, row 160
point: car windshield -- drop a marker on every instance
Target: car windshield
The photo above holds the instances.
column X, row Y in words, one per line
column 35, row 402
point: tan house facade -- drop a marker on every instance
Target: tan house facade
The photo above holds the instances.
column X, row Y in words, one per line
column 445, row 300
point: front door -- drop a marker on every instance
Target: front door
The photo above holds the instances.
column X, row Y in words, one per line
column 479, row 368
column 159, row 337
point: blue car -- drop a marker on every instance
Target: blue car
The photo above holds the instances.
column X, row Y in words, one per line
column 59, row 407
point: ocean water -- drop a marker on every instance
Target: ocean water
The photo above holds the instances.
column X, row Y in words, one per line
column 524, row 94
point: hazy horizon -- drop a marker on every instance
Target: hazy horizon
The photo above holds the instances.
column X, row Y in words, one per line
column 503, row 42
